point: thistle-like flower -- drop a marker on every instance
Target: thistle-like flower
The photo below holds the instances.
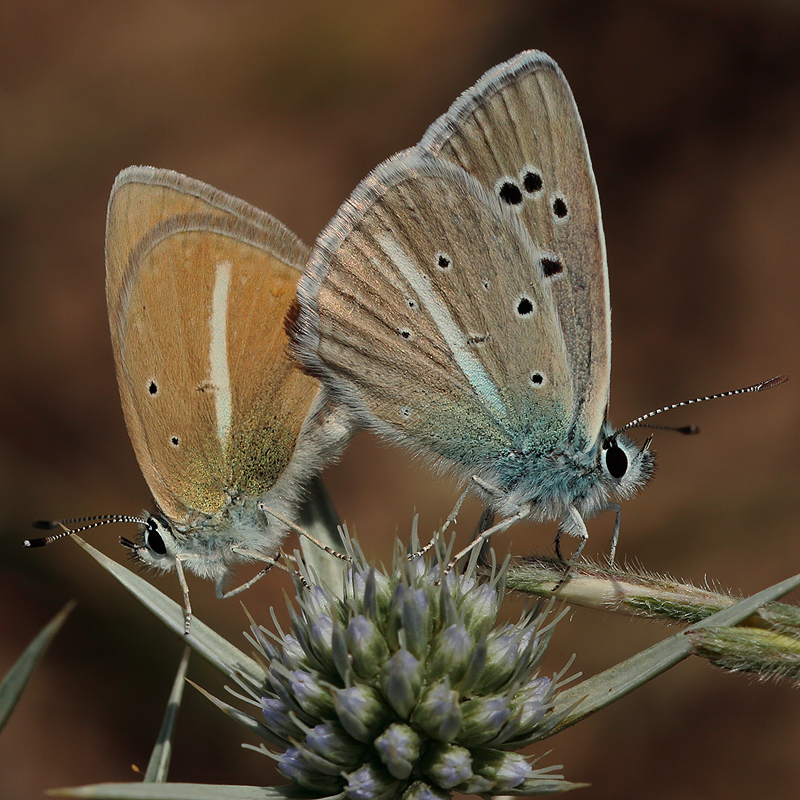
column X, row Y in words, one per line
column 401, row 687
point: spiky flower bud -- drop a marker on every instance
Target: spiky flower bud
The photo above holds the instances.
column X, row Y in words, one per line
column 400, row 689
column 368, row 649
column 447, row 765
column 333, row 742
column 401, row 681
column 311, row 692
column 294, row 657
column 276, row 713
column 361, row 710
column 438, row 714
column 423, row 791
column 370, row 781
column 399, row 747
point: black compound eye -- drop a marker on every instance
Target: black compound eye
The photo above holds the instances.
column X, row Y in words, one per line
column 616, row 461
column 154, row 539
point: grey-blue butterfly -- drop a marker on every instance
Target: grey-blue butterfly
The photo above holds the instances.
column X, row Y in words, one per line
column 458, row 305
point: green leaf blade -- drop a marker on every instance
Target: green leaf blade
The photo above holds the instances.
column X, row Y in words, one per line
column 180, row 791
column 158, row 766
column 601, row 690
column 16, row 679
column 202, row 639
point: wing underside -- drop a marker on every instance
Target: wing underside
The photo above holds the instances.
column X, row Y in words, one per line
column 435, row 318
column 198, row 285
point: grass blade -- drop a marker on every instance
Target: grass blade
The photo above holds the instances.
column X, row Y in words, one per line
column 601, row 690
column 180, row 791
column 202, row 639
column 319, row 519
column 158, row 766
column 13, row 684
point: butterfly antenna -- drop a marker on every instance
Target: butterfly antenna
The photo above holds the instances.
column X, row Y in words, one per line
column 93, row 522
column 686, row 430
column 640, row 422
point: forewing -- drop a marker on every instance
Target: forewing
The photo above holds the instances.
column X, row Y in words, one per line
column 519, row 133
column 198, row 284
column 425, row 309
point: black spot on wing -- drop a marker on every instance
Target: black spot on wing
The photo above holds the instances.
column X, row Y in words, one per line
column 525, row 306
column 538, row 379
column 532, row 182
column 551, row 266
column 510, row 193
column 560, row 208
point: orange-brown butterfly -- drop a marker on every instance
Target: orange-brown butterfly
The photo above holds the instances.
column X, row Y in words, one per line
column 224, row 423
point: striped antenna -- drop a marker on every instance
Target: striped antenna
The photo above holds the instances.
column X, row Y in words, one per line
column 94, row 522
column 758, row 387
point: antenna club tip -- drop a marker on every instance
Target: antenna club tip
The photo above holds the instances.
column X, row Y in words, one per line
column 689, row 430
column 44, row 524
column 776, row 381
column 35, row 542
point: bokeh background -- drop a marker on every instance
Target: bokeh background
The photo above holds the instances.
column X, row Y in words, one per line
column 692, row 112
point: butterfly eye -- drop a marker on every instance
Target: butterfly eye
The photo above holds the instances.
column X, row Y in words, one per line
column 154, row 539
column 616, row 461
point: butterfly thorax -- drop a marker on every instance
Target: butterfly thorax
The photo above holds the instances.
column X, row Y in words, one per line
column 551, row 482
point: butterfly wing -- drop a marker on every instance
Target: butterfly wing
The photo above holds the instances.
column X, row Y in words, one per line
column 517, row 130
column 425, row 308
column 198, row 284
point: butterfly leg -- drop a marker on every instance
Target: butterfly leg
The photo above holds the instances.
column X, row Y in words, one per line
column 574, row 525
column 187, row 606
column 487, row 517
column 451, row 518
column 617, row 509
column 270, row 562
column 484, row 523
column 504, row 524
column 302, row 532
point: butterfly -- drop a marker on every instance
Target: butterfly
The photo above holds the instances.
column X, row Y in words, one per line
column 224, row 423
column 458, row 305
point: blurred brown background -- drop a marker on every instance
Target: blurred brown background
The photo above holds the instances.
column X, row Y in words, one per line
column 692, row 111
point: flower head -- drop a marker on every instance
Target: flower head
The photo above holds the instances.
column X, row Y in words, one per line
column 401, row 688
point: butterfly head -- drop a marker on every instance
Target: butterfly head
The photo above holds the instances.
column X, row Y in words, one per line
column 205, row 548
column 212, row 546
column 626, row 467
